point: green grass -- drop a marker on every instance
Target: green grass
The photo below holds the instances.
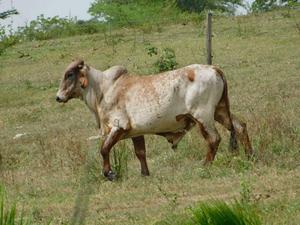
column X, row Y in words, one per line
column 53, row 172
column 217, row 213
column 9, row 214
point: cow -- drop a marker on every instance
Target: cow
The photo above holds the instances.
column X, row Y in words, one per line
column 167, row 104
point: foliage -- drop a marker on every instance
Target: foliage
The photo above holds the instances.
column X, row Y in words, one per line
column 263, row 5
column 217, row 212
column 52, row 27
column 7, row 40
column 166, row 60
column 151, row 50
column 6, row 14
column 131, row 12
column 9, row 216
column 136, row 13
column 200, row 5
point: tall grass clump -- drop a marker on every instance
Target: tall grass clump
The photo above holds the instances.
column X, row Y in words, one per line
column 222, row 213
column 217, row 212
column 8, row 215
column 120, row 161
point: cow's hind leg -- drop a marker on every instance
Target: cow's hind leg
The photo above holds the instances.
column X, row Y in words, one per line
column 222, row 115
column 113, row 137
column 212, row 138
column 140, row 152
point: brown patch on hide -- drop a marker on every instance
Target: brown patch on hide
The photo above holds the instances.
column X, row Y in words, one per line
column 145, row 84
column 190, row 74
column 188, row 119
column 83, row 80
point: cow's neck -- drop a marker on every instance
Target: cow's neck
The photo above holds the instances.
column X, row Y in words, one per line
column 93, row 93
column 93, row 97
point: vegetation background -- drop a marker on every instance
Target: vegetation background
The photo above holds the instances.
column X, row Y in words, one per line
column 50, row 167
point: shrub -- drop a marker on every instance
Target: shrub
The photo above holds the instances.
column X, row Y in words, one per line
column 167, row 58
column 44, row 28
column 7, row 40
column 167, row 61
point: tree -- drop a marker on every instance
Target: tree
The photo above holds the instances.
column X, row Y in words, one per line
column 126, row 11
column 263, row 5
column 6, row 14
column 140, row 10
column 201, row 5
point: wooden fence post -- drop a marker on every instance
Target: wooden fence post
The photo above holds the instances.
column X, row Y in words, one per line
column 208, row 39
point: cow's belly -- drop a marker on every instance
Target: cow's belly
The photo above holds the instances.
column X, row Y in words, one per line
column 151, row 118
column 156, row 124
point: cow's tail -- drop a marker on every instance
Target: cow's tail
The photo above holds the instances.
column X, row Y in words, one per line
column 224, row 102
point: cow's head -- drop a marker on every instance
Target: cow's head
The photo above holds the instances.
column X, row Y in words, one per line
column 73, row 82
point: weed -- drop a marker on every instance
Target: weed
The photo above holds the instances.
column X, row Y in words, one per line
column 151, row 50
column 170, row 197
column 204, row 173
column 120, row 161
column 246, row 191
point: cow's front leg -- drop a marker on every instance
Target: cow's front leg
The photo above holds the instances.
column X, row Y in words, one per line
column 140, row 152
column 112, row 138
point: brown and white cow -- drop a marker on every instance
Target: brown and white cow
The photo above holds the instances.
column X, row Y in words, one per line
column 167, row 104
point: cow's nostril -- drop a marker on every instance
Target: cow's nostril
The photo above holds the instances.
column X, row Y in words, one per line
column 58, row 99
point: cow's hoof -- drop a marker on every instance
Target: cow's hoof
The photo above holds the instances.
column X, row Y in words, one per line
column 174, row 147
column 111, row 176
column 145, row 174
column 206, row 162
column 251, row 155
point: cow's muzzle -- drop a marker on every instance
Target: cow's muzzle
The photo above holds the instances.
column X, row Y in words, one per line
column 58, row 99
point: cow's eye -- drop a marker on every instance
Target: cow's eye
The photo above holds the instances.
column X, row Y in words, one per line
column 70, row 76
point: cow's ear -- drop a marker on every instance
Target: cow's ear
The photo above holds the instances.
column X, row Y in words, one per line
column 83, row 78
column 80, row 64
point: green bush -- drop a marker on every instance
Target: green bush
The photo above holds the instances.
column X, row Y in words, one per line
column 6, row 40
column 167, row 60
column 53, row 27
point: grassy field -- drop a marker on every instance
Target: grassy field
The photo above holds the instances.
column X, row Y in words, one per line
column 53, row 172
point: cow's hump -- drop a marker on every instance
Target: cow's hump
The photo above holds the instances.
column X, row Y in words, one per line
column 113, row 73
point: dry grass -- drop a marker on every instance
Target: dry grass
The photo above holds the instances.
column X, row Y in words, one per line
column 53, row 171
